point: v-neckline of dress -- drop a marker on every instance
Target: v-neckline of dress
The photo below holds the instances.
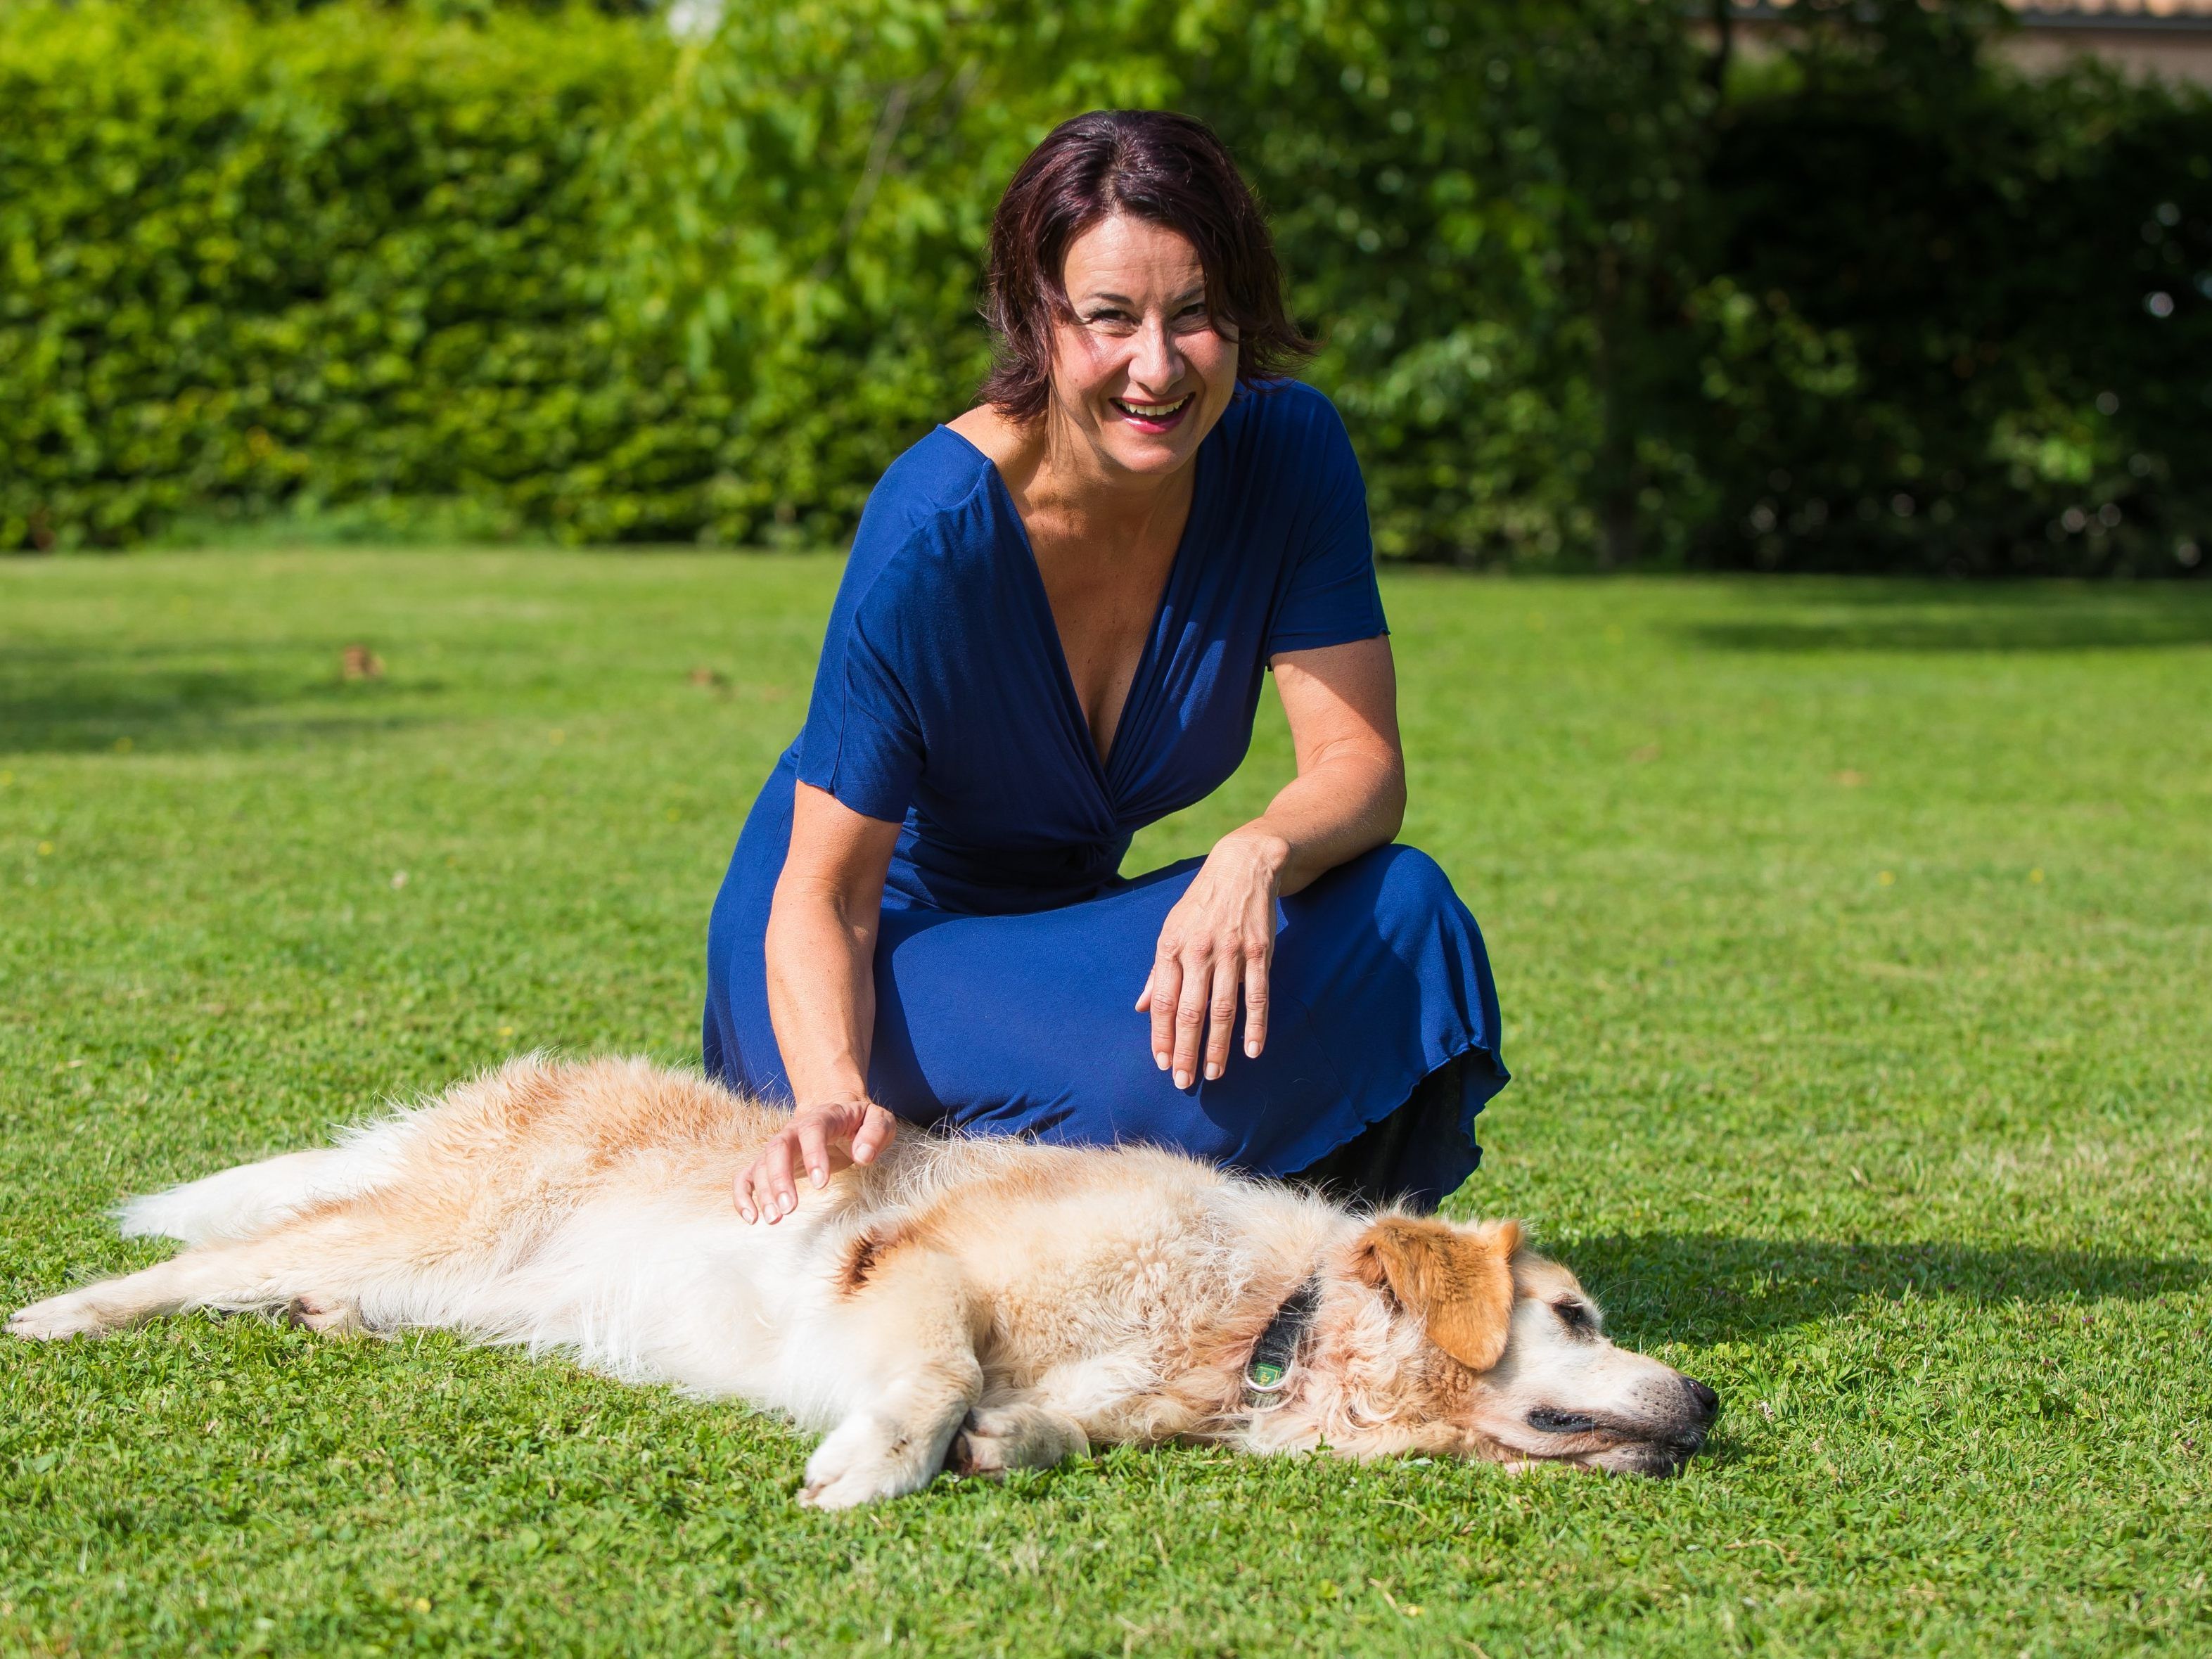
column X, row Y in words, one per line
column 1041, row 605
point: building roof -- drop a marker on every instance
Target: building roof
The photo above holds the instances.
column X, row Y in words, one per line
column 2113, row 14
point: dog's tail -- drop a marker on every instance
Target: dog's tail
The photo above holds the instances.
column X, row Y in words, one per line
column 240, row 1202
column 233, row 1204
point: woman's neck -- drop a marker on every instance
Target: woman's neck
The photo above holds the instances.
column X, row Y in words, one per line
column 1059, row 478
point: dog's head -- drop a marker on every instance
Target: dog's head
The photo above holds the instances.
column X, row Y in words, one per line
column 1509, row 1356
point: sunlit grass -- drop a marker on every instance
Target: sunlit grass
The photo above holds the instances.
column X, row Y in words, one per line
column 1855, row 948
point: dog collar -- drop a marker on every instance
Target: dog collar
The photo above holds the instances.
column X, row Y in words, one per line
column 1267, row 1372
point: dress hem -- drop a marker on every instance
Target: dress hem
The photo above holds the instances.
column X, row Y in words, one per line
column 1479, row 1085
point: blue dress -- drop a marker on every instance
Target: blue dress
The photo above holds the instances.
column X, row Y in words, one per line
column 1012, row 949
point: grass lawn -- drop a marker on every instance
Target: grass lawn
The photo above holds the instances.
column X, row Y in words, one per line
column 1855, row 947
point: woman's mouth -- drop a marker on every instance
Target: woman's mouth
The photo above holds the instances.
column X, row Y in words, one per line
column 1153, row 417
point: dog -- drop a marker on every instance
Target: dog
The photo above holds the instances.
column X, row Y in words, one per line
column 973, row 1305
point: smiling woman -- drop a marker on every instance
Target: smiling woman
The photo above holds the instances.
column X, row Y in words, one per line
column 1053, row 631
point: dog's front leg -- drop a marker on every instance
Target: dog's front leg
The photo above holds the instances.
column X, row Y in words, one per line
column 907, row 1337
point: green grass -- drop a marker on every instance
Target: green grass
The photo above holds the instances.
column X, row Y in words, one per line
column 1855, row 948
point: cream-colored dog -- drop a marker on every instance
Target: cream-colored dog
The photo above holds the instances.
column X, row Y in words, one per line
column 971, row 1304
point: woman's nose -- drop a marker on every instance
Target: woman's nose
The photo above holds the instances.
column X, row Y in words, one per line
column 1157, row 365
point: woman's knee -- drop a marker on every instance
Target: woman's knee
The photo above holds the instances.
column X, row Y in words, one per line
column 1404, row 875
column 1393, row 893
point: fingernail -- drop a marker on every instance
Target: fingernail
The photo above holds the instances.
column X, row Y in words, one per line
column 820, row 1177
column 1160, row 1060
column 788, row 1203
column 1212, row 1071
column 1251, row 1051
column 1182, row 1079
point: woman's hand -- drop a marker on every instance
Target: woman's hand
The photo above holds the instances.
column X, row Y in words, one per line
column 823, row 1137
column 1349, row 795
column 1219, row 939
column 821, row 950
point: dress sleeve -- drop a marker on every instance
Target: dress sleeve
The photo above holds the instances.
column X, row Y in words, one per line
column 1330, row 597
column 862, row 742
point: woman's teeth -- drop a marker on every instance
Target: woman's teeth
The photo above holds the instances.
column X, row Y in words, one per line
column 1150, row 411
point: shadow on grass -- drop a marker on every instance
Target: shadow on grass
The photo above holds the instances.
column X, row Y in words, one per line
column 200, row 695
column 1882, row 617
column 1706, row 1287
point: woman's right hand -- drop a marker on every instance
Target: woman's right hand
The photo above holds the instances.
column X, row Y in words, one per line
column 823, row 1138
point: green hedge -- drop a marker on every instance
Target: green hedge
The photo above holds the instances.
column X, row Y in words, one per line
column 1877, row 306
column 346, row 256
column 1450, row 180
column 1994, row 303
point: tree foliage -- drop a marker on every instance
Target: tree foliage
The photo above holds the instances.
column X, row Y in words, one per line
column 1587, row 292
column 1988, row 307
column 348, row 255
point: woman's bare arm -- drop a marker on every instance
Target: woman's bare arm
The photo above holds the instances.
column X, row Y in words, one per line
column 1350, row 793
column 1349, row 796
column 821, row 952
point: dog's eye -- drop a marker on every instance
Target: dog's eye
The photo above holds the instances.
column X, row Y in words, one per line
column 1575, row 1315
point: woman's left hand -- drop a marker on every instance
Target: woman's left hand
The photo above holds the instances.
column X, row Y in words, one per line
column 1219, row 939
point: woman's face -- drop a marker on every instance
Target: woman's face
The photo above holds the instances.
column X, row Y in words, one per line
column 1140, row 371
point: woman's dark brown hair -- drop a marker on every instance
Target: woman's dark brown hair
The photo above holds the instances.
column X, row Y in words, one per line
column 1168, row 169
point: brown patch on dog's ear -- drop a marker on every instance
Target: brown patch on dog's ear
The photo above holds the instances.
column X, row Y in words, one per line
column 1460, row 1284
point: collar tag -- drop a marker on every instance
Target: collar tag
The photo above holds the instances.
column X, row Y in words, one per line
column 1267, row 1373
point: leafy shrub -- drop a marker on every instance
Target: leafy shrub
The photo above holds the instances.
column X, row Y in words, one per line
column 1880, row 307
column 1877, row 306
column 1959, row 324
column 339, row 256
column 1452, row 180
column 810, row 201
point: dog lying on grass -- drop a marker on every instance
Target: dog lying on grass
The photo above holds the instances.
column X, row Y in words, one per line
column 973, row 1305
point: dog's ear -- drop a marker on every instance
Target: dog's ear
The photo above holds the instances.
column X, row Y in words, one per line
column 1459, row 1285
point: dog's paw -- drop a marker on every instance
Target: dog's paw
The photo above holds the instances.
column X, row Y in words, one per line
column 60, row 1317
column 865, row 1459
column 996, row 1438
column 320, row 1312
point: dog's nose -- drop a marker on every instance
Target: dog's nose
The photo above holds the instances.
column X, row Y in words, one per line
column 1707, row 1402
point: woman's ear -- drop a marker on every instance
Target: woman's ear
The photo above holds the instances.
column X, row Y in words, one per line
column 1459, row 1284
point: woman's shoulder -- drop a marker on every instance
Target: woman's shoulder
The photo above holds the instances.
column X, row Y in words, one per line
column 1280, row 433
column 941, row 473
column 931, row 502
column 1286, row 402
column 1275, row 417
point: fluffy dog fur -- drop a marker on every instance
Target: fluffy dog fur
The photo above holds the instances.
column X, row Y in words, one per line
column 971, row 1304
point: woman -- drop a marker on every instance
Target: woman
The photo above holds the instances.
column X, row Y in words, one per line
column 1051, row 632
